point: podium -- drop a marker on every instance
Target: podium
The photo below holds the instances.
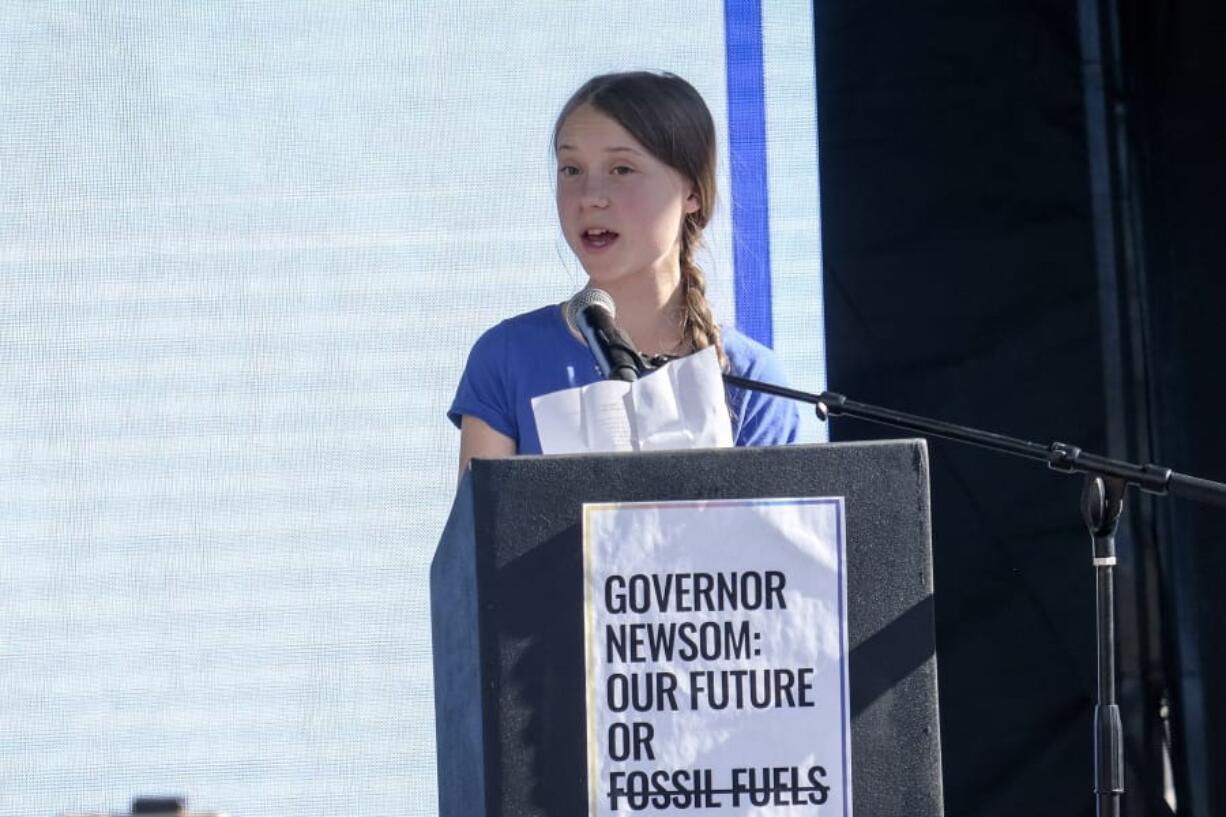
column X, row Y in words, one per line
column 508, row 630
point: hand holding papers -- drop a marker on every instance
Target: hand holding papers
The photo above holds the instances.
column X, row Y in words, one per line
column 680, row 405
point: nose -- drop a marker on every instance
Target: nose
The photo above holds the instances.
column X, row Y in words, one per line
column 593, row 191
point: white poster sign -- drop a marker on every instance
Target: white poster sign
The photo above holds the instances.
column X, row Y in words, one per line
column 717, row 658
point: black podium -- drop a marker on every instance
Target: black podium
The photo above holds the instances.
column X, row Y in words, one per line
column 507, row 601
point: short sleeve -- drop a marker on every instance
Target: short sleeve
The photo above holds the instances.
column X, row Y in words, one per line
column 484, row 391
column 764, row 419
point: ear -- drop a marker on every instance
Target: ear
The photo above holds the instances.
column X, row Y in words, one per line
column 692, row 204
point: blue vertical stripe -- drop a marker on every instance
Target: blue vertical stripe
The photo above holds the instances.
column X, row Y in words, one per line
column 751, row 250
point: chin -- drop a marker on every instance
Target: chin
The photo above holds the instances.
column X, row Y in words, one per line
column 598, row 274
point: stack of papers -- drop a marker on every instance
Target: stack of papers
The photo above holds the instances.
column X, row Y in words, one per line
column 679, row 405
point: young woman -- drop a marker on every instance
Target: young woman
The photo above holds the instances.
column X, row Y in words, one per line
column 636, row 186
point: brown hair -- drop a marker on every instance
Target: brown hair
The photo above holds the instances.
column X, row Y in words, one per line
column 669, row 118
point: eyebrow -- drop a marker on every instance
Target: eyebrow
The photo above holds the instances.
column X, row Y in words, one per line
column 606, row 150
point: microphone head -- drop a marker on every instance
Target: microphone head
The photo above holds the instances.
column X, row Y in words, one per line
column 581, row 300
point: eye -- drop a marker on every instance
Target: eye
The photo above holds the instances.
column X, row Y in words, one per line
column 568, row 170
column 622, row 170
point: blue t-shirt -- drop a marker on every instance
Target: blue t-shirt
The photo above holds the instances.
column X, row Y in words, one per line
column 534, row 354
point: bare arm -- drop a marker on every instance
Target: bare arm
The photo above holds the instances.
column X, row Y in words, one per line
column 477, row 439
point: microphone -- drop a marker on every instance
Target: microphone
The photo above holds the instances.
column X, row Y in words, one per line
column 589, row 314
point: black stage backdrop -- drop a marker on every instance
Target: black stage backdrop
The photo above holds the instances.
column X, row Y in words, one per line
column 1012, row 244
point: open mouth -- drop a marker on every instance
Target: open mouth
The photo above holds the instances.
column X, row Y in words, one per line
column 598, row 238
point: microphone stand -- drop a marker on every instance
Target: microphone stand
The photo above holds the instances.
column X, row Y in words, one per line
column 1102, row 501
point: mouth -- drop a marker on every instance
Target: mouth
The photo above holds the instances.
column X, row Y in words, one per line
column 597, row 238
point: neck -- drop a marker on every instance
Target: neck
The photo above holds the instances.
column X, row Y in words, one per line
column 650, row 310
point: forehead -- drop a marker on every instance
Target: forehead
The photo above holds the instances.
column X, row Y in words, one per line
column 589, row 129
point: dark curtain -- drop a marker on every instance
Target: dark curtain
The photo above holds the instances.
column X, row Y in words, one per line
column 1175, row 57
column 962, row 282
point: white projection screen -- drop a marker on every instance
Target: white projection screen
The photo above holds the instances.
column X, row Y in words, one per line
column 244, row 249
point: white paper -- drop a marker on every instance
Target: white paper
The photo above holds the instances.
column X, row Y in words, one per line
column 680, row 405
column 688, row 604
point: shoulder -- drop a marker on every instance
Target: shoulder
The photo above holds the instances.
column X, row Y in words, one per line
column 748, row 358
column 543, row 318
column 540, row 326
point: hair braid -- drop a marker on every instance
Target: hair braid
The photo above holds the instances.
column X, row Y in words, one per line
column 698, row 329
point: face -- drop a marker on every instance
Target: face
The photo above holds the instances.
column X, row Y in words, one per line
column 621, row 209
